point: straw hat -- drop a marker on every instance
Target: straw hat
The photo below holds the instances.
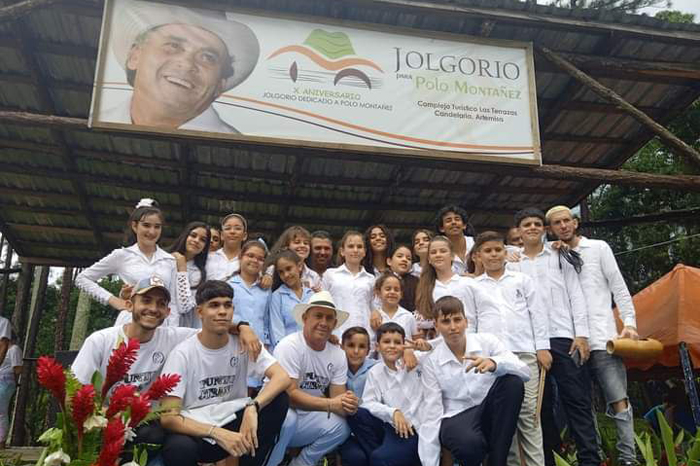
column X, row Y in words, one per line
column 132, row 18
column 321, row 299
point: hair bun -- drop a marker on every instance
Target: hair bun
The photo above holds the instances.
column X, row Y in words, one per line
column 147, row 202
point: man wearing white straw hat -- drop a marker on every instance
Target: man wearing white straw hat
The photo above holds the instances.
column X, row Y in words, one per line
column 319, row 400
column 178, row 61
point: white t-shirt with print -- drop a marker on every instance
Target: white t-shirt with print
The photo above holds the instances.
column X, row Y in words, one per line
column 212, row 376
column 5, row 328
column 13, row 359
column 315, row 370
column 97, row 348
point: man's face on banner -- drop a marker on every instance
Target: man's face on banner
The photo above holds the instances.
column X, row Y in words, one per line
column 179, row 67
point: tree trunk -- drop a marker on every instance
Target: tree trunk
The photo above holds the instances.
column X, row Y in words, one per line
column 5, row 277
column 19, row 431
column 61, row 319
column 82, row 314
column 19, row 316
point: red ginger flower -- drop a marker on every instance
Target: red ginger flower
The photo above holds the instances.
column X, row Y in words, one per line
column 120, row 399
column 83, row 404
column 163, row 385
column 140, row 407
column 52, row 377
column 119, row 363
column 112, row 442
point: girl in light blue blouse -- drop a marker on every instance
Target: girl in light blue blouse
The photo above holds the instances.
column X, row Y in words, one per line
column 250, row 301
column 288, row 292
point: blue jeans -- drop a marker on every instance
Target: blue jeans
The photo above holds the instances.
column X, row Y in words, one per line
column 7, row 389
column 610, row 373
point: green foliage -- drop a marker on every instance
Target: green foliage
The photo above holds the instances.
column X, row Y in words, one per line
column 667, row 438
column 675, row 16
column 641, row 268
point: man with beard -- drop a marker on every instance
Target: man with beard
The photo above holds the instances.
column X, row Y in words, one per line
column 149, row 308
column 601, row 280
column 178, row 61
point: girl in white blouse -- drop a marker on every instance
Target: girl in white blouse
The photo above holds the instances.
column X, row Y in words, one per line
column 350, row 284
column 379, row 243
column 421, row 239
column 142, row 259
column 225, row 262
column 190, row 251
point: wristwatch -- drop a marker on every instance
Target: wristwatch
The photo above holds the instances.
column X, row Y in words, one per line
column 243, row 322
column 254, row 403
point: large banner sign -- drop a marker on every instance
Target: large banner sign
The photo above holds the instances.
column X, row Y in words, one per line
column 247, row 76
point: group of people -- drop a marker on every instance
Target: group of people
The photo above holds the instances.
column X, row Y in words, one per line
column 427, row 353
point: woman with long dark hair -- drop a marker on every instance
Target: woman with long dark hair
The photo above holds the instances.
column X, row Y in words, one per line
column 190, row 251
column 379, row 242
column 140, row 258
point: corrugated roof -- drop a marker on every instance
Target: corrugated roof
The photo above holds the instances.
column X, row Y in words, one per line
column 54, row 49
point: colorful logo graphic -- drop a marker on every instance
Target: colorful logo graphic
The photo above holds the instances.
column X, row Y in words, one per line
column 334, row 54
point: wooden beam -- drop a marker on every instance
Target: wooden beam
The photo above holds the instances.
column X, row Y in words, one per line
column 656, row 68
column 670, row 139
column 686, row 183
column 541, row 21
column 19, row 9
column 680, row 216
column 621, row 177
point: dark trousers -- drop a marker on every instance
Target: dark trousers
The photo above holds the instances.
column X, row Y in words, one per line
column 183, row 450
column 151, row 434
column 487, row 428
column 574, row 387
column 376, row 443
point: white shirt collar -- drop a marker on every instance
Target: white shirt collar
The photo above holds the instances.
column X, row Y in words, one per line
column 345, row 269
column 209, row 120
column 158, row 255
column 445, row 354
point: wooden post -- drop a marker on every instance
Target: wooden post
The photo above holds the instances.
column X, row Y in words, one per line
column 82, row 314
column 5, row 277
column 19, row 431
column 62, row 317
column 668, row 138
column 19, row 316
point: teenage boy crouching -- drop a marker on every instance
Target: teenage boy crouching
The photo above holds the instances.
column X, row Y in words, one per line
column 209, row 415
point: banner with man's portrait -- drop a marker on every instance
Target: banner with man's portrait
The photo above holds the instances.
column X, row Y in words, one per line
column 251, row 76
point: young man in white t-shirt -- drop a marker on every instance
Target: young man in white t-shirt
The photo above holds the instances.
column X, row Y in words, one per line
column 318, row 396
column 209, row 415
column 149, row 308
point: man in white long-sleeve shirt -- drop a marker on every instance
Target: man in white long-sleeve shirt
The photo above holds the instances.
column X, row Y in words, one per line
column 601, row 280
column 473, row 390
column 560, row 292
